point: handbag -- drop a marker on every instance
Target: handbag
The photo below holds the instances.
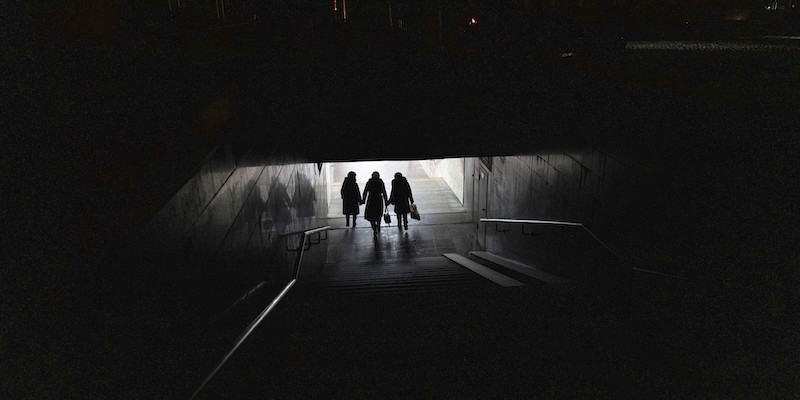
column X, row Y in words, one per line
column 415, row 212
column 386, row 217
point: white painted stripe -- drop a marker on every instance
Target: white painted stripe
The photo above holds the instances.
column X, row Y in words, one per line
column 528, row 270
column 485, row 272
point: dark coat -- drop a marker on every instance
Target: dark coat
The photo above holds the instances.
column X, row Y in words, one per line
column 375, row 197
column 401, row 194
column 351, row 196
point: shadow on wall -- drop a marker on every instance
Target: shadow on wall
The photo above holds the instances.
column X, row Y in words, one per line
column 217, row 242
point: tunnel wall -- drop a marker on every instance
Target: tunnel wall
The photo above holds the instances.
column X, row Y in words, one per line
column 220, row 227
column 449, row 169
column 210, row 260
column 670, row 204
column 572, row 186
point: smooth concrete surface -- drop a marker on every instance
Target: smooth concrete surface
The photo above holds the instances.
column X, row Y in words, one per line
column 451, row 170
column 199, row 268
column 528, row 270
column 488, row 273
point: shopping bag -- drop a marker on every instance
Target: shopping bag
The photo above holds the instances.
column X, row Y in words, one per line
column 387, row 218
column 415, row 212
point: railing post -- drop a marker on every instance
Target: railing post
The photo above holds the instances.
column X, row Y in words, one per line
column 299, row 259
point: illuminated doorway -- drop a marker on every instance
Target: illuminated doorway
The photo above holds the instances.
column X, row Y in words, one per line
column 437, row 185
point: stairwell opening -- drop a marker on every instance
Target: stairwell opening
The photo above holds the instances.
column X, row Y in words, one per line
column 437, row 185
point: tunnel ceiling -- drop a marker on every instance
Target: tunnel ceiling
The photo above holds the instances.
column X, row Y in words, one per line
column 384, row 106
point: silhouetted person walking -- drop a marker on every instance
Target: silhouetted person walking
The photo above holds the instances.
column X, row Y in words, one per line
column 400, row 197
column 351, row 198
column 375, row 198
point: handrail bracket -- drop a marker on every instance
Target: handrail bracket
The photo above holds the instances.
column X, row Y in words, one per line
column 496, row 229
column 530, row 234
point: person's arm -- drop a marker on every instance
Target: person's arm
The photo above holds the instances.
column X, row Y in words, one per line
column 410, row 196
column 364, row 196
column 385, row 198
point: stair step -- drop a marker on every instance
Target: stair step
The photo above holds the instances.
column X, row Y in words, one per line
column 390, row 281
column 388, row 261
column 391, row 276
column 484, row 271
column 392, row 285
column 391, row 290
column 528, row 270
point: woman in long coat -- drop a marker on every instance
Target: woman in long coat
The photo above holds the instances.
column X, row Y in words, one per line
column 401, row 194
column 375, row 197
column 351, row 198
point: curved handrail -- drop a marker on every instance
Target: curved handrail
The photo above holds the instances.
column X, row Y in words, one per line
column 552, row 222
column 263, row 314
column 302, row 248
column 572, row 224
column 530, row 221
column 306, row 233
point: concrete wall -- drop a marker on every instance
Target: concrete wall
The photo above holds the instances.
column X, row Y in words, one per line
column 694, row 202
column 449, row 169
column 665, row 206
column 568, row 186
column 219, row 229
column 212, row 257
column 469, row 186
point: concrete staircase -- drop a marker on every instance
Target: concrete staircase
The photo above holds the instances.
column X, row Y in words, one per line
column 424, row 274
column 419, row 274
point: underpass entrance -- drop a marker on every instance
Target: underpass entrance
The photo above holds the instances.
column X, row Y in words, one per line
column 437, row 186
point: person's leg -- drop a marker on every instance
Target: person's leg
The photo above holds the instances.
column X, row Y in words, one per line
column 399, row 222
column 405, row 220
column 347, row 220
column 355, row 217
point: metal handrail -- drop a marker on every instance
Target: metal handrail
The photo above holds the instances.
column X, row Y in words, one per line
column 570, row 224
column 306, row 246
column 263, row 314
column 299, row 231
column 302, row 249
column 550, row 222
column 530, row 221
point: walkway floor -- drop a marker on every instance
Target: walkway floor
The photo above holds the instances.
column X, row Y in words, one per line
column 393, row 244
